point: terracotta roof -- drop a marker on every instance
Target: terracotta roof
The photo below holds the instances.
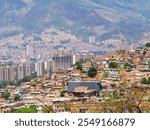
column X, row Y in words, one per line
column 101, row 57
column 81, row 89
column 87, row 64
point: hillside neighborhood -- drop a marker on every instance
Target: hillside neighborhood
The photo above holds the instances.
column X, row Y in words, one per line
column 83, row 83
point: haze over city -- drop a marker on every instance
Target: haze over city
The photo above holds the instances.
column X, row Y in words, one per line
column 74, row 56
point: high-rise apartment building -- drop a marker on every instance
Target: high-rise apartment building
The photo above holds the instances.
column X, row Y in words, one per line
column 29, row 50
column 40, row 68
column 14, row 71
column 62, row 59
column 82, row 57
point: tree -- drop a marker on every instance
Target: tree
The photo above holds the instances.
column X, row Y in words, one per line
column 79, row 65
column 31, row 109
column 105, row 75
column 135, row 97
column 128, row 66
column 148, row 80
column 4, row 83
column 149, row 64
column 11, row 82
column 132, row 100
column 6, row 95
column 47, row 109
column 145, row 81
column 113, row 65
column 62, row 93
column 16, row 97
column 92, row 72
column 147, row 44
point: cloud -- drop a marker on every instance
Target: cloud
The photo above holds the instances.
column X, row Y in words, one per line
column 25, row 10
column 30, row 3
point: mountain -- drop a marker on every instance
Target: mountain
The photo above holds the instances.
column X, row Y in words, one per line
column 103, row 18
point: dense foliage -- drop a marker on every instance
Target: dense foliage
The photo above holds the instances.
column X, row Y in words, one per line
column 16, row 97
column 147, row 44
column 128, row 66
column 114, row 65
column 145, row 81
column 62, row 93
column 79, row 65
column 5, row 83
column 92, row 72
column 6, row 95
column 31, row 109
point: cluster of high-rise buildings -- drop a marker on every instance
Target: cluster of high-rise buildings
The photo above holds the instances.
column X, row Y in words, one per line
column 14, row 71
column 62, row 59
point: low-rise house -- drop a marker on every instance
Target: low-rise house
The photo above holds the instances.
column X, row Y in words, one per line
column 59, row 104
column 4, row 109
column 26, row 88
column 142, row 67
column 83, row 91
column 111, row 71
column 86, row 66
column 95, row 85
column 1, row 92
